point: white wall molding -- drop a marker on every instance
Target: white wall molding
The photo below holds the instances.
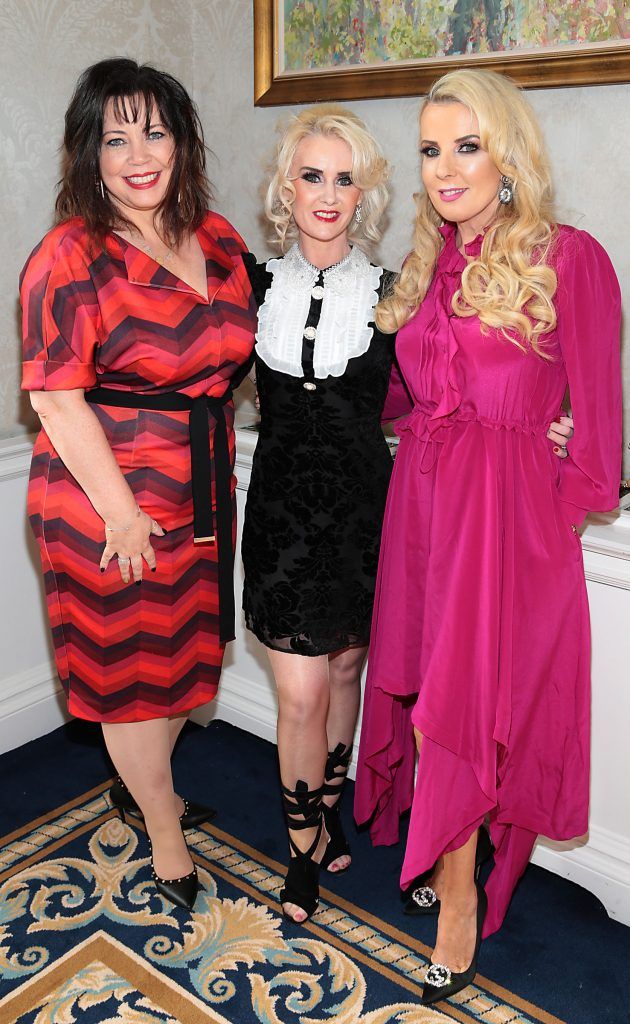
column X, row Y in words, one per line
column 606, row 547
column 245, row 447
column 248, row 704
column 31, row 704
column 601, row 865
column 15, row 457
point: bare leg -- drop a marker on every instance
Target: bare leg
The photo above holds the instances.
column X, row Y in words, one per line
column 175, row 726
column 303, row 698
column 344, row 671
column 453, row 881
column 141, row 752
column 435, row 880
column 457, row 922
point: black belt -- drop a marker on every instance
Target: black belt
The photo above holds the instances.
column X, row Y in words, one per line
column 200, row 465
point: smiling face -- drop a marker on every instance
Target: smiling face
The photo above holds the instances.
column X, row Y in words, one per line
column 325, row 197
column 459, row 176
column 135, row 160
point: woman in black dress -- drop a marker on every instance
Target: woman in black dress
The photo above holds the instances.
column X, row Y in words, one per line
column 321, row 469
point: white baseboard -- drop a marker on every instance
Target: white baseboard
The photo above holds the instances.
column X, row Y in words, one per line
column 31, row 704
column 601, row 865
column 247, row 704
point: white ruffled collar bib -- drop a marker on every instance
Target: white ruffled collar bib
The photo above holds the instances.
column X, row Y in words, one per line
column 350, row 293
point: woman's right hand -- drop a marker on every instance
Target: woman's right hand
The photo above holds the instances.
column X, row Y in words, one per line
column 80, row 442
column 130, row 543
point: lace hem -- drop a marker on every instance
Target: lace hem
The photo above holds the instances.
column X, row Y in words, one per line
column 305, row 643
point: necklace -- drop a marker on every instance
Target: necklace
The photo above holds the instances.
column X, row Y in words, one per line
column 162, row 259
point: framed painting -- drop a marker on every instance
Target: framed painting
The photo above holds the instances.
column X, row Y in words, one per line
column 307, row 50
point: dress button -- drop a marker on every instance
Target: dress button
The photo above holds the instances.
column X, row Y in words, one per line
column 309, row 386
column 317, row 292
column 310, row 333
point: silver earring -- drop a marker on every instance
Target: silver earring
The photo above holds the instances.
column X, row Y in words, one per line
column 102, row 188
column 506, row 191
column 358, row 214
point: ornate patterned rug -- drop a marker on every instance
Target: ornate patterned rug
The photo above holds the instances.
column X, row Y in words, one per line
column 84, row 937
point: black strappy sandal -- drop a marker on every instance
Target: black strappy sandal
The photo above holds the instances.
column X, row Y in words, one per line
column 335, row 774
column 301, row 885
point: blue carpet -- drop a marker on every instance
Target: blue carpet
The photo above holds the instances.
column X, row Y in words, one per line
column 557, row 949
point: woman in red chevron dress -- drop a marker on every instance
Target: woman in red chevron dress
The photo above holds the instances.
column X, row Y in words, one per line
column 138, row 321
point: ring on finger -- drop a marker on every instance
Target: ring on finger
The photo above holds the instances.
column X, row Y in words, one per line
column 123, row 561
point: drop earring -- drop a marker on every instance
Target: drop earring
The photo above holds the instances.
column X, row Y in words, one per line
column 102, row 188
column 506, row 190
column 358, row 214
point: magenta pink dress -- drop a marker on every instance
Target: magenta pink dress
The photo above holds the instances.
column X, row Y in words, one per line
column 480, row 635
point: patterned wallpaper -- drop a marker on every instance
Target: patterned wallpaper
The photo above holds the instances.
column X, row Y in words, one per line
column 44, row 44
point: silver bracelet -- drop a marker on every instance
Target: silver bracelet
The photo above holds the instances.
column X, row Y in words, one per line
column 123, row 529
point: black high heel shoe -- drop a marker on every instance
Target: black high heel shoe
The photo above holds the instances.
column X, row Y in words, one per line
column 192, row 815
column 301, row 885
column 421, row 898
column 335, row 775
column 180, row 891
column 440, row 982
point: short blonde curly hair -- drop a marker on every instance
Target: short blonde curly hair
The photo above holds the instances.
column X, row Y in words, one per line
column 370, row 170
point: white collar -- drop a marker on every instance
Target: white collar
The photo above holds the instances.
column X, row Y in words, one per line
column 343, row 332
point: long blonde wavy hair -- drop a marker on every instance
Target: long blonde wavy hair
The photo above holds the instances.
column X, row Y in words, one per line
column 509, row 286
column 370, row 170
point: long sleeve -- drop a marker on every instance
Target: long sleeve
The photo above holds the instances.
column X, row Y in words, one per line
column 588, row 304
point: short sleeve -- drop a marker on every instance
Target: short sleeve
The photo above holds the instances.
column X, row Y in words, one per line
column 588, row 304
column 60, row 317
column 260, row 278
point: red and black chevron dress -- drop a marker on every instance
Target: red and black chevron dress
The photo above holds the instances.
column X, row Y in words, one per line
column 112, row 318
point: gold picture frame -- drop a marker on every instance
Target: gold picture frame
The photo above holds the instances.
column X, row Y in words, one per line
column 583, row 65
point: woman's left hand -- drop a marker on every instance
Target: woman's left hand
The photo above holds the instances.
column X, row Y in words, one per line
column 560, row 432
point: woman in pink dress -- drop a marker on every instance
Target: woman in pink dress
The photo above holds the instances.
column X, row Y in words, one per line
column 480, row 636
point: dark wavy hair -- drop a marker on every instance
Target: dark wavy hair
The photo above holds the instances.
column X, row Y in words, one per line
column 134, row 88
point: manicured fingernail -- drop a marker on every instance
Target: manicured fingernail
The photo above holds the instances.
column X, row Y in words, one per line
column 137, row 582
column 152, row 570
column 101, row 570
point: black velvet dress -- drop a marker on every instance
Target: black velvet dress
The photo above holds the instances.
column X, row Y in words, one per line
column 317, row 495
